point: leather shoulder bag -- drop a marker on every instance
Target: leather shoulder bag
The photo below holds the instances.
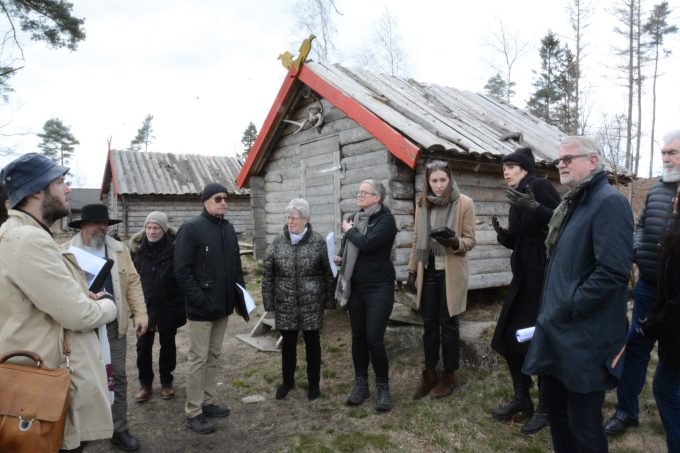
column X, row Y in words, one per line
column 33, row 403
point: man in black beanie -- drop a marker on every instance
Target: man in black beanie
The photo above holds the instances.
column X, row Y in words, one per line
column 207, row 267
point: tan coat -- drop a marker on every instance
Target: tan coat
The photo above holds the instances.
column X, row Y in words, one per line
column 42, row 292
column 455, row 262
column 127, row 287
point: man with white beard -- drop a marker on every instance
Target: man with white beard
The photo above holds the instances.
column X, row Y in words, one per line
column 124, row 284
column 651, row 226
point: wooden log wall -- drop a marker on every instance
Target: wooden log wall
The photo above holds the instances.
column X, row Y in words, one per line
column 179, row 208
column 363, row 157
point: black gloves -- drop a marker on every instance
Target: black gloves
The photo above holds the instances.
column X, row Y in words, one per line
column 650, row 328
column 519, row 199
column 452, row 242
column 411, row 283
column 497, row 226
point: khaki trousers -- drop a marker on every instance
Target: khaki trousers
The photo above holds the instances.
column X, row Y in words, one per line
column 206, row 345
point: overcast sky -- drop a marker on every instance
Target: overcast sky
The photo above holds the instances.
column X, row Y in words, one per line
column 206, row 68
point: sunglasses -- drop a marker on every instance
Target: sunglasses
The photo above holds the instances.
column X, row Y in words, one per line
column 568, row 158
column 220, row 199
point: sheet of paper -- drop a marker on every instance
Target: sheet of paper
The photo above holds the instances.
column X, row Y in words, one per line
column 88, row 262
column 250, row 303
column 330, row 245
column 525, row 334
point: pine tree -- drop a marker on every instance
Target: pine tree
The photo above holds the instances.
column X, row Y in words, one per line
column 657, row 28
column 144, row 136
column 497, row 87
column 248, row 139
column 57, row 141
column 544, row 101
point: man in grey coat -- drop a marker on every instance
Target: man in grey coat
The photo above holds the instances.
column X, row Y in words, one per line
column 581, row 327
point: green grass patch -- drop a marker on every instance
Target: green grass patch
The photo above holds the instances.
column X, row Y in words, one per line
column 357, row 440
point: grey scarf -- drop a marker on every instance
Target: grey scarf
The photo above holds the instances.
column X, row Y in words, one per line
column 560, row 212
column 441, row 215
column 349, row 256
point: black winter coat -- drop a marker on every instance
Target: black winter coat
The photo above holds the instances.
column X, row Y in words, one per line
column 651, row 226
column 298, row 283
column 155, row 265
column 525, row 236
column 208, row 267
column 374, row 263
column 666, row 311
column 582, row 325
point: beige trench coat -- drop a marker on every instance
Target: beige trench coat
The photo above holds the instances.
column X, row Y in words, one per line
column 456, row 262
column 42, row 292
column 127, row 287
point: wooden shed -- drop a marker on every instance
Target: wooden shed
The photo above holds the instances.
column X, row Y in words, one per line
column 330, row 127
column 137, row 183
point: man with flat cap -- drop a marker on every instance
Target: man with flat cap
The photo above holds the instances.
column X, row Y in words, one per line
column 44, row 298
column 207, row 267
column 124, row 283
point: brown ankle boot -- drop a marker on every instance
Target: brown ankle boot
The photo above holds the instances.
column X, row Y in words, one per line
column 446, row 386
column 428, row 382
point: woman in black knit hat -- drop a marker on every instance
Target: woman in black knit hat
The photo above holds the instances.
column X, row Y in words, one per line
column 532, row 201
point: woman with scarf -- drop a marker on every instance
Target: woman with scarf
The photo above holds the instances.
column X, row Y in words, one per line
column 532, row 201
column 297, row 286
column 366, row 288
column 438, row 273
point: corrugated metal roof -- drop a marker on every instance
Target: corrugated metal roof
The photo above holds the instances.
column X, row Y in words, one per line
column 145, row 173
column 81, row 197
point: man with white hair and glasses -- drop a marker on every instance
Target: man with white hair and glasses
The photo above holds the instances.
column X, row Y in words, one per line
column 577, row 346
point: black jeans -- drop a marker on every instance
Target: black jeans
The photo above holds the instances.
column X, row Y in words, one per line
column 369, row 307
column 439, row 327
column 289, row 355
column 167, row 359
column 575, row 418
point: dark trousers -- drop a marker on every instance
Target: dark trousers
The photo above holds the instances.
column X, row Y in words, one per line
column 167, row 358
column 439, row 327
column 638, row 350
column 289, row 355
column 369, row 308
column 575, row 418
column 666, row 386
column 118, row 347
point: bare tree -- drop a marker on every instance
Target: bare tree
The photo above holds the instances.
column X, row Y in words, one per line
column 316, row 17
column 657, row 28
column 509, row 44
column 625, row 13
column 610, row 136
column 388, row 54
column 580, row 13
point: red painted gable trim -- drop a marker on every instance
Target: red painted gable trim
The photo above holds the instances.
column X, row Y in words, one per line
column 109, row 167
column 274, row 117
column 402, row 148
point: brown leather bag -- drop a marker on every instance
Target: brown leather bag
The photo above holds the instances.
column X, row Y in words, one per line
column 33, row 404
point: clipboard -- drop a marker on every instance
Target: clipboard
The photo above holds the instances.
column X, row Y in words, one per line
column 98, row 282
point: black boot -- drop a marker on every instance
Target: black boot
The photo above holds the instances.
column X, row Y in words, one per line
column 359, row 392
column 521, row 401
column 383, row 401
column 540, row 418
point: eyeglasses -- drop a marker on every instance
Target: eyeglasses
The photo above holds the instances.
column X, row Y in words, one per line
column 290, row 218
column 362, row 194
column 568, row 158
column 431, row 165
column 220, row 199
